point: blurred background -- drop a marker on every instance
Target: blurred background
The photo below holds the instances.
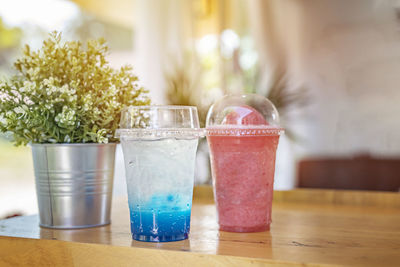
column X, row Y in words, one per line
column 332, row 68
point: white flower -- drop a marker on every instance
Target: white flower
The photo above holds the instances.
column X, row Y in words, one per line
column 33, row 71
column 66, row 118
column 64, row 89
column 87, row 102
column 28, row 101
column 101, row 136
column 67, row 139
column 48, row 106
column 4, row 97
column 112, row 90
column 19, row 110
column 96, row 111
column 3, row 120
column 72, row 98
column 16, row 94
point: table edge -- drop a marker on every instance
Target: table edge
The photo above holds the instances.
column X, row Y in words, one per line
column 204, row 193
column 13, row 250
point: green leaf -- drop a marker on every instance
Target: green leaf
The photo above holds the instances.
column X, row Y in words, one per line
column 61, row 75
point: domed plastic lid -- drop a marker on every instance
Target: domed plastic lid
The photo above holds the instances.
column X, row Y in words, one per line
column 154, row 122
column 248, row 114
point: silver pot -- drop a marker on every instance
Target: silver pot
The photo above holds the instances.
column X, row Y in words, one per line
column 74, row 184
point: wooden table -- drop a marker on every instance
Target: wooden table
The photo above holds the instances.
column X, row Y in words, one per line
column 310, row 228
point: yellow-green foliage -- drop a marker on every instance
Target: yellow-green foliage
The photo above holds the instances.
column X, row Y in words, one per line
column 65, row 93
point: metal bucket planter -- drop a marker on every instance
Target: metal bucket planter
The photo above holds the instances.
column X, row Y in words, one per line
column 74, row 184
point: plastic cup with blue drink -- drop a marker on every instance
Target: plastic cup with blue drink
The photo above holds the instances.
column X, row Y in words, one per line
column 159, row 144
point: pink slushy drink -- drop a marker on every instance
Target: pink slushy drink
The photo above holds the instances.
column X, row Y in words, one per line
column 243, row 148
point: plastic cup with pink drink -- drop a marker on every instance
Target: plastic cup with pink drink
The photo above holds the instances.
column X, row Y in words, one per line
column 243, row 133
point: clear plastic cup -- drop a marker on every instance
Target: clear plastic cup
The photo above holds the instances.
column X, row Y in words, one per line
column 243, row 133
column 159, row 144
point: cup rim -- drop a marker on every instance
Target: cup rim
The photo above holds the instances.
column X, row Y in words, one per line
column 151, row 119
column 159, row 107
column 243, row 131
column 179, row 133
column 72, row 144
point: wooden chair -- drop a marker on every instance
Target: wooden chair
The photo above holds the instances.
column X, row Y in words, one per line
column 358, row 173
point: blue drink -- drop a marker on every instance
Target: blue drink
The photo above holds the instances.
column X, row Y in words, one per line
column 164, row 224
column 160, row 177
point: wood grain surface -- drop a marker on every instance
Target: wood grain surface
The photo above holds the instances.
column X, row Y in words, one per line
column 309, row 228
